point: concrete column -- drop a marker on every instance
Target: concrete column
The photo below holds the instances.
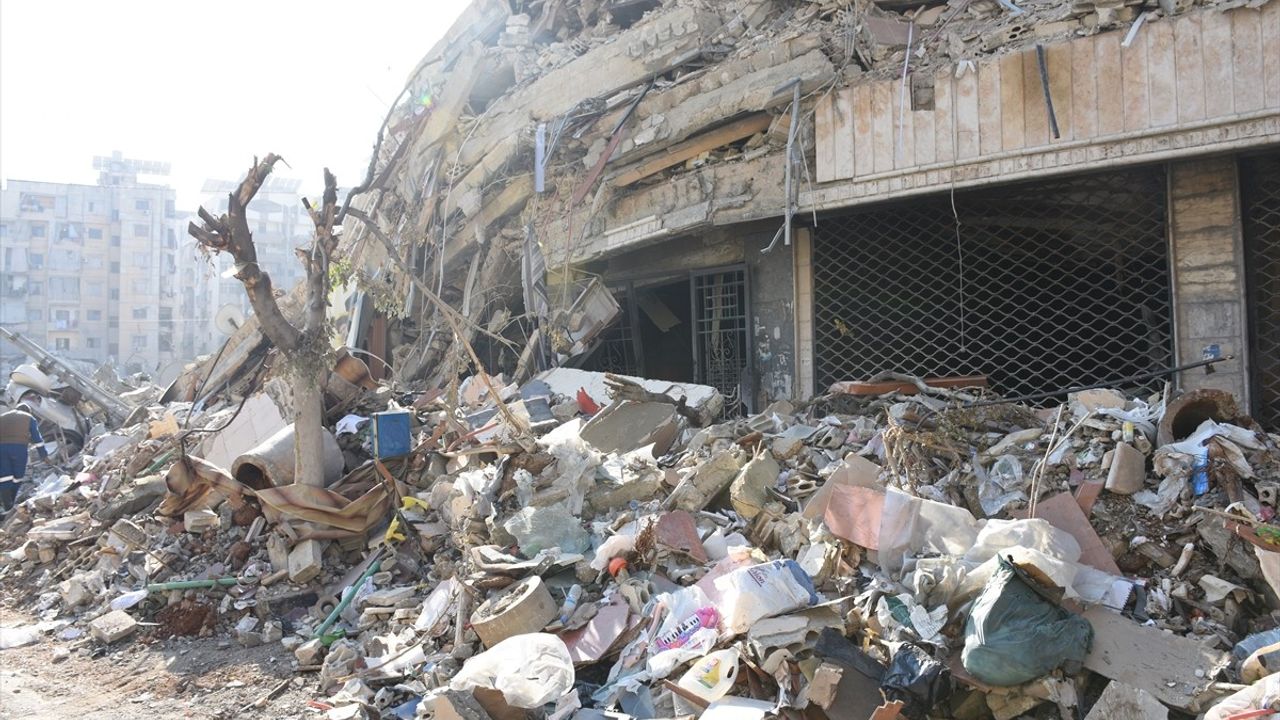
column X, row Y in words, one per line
column 1207, row 258
column 803, row 272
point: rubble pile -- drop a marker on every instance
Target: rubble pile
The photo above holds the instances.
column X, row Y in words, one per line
column 625, row 550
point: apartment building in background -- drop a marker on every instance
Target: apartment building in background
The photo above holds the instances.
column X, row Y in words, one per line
column 90, row 271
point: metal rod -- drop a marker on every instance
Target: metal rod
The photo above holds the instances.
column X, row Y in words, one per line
column 1048, row 96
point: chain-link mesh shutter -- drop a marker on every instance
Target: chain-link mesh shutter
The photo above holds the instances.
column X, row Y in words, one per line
column 1050, row 285
column 1260, row 196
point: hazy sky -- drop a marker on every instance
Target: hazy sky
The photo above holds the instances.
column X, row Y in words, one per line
column 204, row 85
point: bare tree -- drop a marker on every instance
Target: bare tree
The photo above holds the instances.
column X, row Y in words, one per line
column 306, row 349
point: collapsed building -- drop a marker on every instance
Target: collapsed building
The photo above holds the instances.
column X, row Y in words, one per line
column 1047, row 194
column 853, row 255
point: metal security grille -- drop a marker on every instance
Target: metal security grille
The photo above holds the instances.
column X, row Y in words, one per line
column 1260, row 201
column 721, row 334
column 617, row 351
column 1043, row 286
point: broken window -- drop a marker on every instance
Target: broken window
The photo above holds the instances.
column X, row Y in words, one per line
column 1038, row 286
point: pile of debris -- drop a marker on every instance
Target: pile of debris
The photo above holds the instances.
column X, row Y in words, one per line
column 587, row 545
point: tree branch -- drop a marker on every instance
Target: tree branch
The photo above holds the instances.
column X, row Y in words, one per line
column 230, row 234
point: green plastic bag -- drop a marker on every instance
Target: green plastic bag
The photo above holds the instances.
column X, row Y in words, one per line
column 1016, row 634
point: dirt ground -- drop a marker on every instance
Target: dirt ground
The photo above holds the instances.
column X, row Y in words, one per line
column 143, row 678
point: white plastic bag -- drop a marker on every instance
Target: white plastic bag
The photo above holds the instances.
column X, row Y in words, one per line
column 1260, row 695
column 761, row 591
column 529, row 670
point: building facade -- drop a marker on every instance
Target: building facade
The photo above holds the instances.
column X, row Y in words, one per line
column 90, row 271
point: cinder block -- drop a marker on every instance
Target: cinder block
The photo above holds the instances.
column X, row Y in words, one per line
column 305, row 561
column 113, row 626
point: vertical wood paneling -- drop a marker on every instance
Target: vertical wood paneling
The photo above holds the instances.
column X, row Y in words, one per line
column 1191, row 68
column 826, row 138
column 842, row 123
column 1219, row 86
column 922, row 121
column 1246, row 33
column 1189, row 62
column 943, row 118
column 1035, row 116
column 1271, row 53
column 1110, row 90
column 1061, row 77
column 863, row 147
column 1012, row 125
column 967, row 115
column 882, row 124
column 1162, row 73
column 904, row 136
column 1084, row 87
column 1133, row 65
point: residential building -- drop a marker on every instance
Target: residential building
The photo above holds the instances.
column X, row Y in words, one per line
column 90, row 271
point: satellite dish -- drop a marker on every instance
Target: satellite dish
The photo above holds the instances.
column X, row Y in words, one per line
column 170, row 372
column 228, row 319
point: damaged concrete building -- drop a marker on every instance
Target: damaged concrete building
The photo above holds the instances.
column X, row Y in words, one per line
column 769, row 197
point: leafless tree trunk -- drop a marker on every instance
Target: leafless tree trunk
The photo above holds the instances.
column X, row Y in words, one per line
column 305, row 349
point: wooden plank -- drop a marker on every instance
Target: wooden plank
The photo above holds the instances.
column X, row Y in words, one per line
column 989, row 108
column 922, row 121
column 966, row 114
column 1271, row 54
column 1035, row 115
column 1246, row 34
column 1162, row 73
column 863, row 146
column 824, row 141
column 1189, row 61
column 1219, row 87
column 944, row 147
column 1133, row 66
column 842, row 124
column 883, row 109
column 1061, row 77
column 904, row 135
column 1084, row 88
column 1173, row 668
column 693, row 147
column 1110, row 86
column 1012, row 123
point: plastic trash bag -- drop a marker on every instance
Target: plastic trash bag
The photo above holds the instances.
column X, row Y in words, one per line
column 1015, row 634
column 761, row 591
column 916, row 679
column 1258, row 696
column 1000, row 485
column 529, row 670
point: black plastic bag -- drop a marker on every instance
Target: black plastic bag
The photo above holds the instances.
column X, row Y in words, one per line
column 916, row 679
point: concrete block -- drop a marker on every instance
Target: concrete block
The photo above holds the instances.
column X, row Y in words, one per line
column 278, row 552
column 305, row 561
column 197, row 521
column 310, row 652
column 113, row 626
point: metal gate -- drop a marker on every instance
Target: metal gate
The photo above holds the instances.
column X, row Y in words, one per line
column 1038, row 286
column 721, row 334
column 1260, row 203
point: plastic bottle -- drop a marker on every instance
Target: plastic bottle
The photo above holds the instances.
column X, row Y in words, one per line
column 571, row 599
column 712, row 676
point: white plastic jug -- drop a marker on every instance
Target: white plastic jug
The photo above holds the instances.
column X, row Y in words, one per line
column 712, row 676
